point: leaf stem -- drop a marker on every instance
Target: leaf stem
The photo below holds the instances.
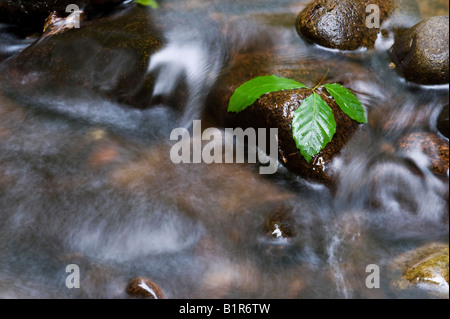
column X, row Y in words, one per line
column 323, row 79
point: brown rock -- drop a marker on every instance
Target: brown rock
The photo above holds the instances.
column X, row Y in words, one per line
column 107, row 56
column 276, row 110
column 341, row 24
column 421, row 53
column 30, row 13
column 140, row 287
column 280, row 223
column 433, row 146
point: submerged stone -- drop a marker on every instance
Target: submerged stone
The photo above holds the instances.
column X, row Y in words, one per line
column 280, row 224
column 421, row 54
column 144, row 288
column 30, row 13
column 435, row 148
column 443, row 125
column 107, row 56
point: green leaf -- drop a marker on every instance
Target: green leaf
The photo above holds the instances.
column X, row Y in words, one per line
column 313, row 126
column 150, row 3
column 348, row 102
column 250, row 91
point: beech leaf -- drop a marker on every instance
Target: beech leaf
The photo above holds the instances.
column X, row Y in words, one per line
column 246, row 94
column 149, row 3
column 348, row 102
column 313, row 126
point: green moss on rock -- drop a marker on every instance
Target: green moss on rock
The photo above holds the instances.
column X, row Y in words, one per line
column 428, row 269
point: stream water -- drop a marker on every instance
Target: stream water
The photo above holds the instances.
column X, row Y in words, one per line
column 88, row 181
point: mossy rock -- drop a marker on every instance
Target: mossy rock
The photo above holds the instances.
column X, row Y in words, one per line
column 424, row 268
column 429, row 263
column 429, row 270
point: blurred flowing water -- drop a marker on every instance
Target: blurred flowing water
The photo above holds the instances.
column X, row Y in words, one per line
column 85, row 180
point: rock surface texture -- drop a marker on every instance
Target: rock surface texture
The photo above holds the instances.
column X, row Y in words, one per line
column 346, row 25
column 421, row 53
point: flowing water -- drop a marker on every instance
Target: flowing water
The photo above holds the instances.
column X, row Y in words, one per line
column 88, row 181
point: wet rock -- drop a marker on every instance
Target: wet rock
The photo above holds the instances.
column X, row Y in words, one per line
column 341, row 24
column 280, row 224
column 425, row 267
column 144, row 288
column 107, row 56
column 443, row 123
column 421, row 54
column 433, row 269
column 277, row 109
column 56, row 24
column 435, row 148
column 30, row 13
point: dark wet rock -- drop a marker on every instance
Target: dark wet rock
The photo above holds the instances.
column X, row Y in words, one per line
column 30, row 13
column 276, row 110
column 421, row 53
column 11, row 41
column 107, row 56
column 342, row 24
column 144, row 288
column 443, row 122
column 280, row 224
column 435, row 148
